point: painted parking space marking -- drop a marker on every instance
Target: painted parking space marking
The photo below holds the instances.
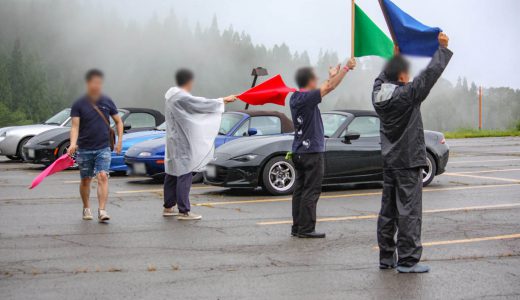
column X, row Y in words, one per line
column 482, row 177
column 374, row 216
column 159, row 190
column 488, row 171
column 470, row 240
column 285, row 199
column 481, row 161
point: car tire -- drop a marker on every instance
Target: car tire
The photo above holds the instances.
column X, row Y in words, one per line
column 21, row 144
column 63, row 148
column 279, row 176
column 430, row 171
column 197, row 177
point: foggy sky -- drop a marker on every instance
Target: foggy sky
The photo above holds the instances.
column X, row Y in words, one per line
column 485, row 35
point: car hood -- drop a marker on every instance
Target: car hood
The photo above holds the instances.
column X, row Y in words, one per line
column 133, row 138
column 29, row 129
column 155, row 147
column 252, row 144
column 49, row 135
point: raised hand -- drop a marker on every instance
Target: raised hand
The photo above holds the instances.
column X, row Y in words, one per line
column 351, row 64
column 443, row 40
column 333, row 71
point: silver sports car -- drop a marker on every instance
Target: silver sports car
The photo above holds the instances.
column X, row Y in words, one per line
column 12, row 139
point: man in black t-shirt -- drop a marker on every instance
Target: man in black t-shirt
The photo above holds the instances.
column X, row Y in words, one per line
column 309, row 145
column 90, row 138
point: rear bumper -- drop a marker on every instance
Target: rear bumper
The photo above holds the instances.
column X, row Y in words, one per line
column 152, row 165
column 117, row 163
column 8, row 145
column 442, row 161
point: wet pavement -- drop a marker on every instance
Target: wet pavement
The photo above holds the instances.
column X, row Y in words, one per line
column 242, row 249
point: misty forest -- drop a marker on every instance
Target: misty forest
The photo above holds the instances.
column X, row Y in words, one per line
column 45, row 50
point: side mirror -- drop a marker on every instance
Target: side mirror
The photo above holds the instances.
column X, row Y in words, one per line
column 127, row 127
column 350, row 136
column 252, row 131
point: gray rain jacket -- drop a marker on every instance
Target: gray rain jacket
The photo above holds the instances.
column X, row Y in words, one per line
column 399, row 108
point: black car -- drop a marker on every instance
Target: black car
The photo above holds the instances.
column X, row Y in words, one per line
column 352, row 155
column 45, row 147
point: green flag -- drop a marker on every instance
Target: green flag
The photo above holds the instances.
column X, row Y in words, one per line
column 368, row 38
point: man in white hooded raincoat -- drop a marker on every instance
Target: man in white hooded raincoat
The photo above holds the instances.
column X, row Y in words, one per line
column 192, row 123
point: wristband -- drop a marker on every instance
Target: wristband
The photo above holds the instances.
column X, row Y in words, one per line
column 346, row 68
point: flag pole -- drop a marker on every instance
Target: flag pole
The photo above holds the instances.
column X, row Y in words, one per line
column 388, row 24
column 352, row 28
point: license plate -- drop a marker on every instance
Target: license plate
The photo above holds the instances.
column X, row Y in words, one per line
column 139, row 168
column 211, row 171
column 31, row 153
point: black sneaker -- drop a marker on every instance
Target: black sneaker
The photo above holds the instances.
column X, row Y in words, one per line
column 311, row 235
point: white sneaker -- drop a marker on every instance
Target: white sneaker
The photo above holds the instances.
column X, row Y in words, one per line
column 103, row 216
column 188, row 216
column 87, row 214
column 170, row 212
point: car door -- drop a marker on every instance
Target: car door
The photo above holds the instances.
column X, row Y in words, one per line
column 356, row 160
column 140, row 121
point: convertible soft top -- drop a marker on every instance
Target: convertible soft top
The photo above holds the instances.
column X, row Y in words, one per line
column 287, row 124
column 357, row 112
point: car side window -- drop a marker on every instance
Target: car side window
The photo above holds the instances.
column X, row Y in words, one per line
column 266, row 125
column 140, row 120
column 242, row 131
column 365, row 126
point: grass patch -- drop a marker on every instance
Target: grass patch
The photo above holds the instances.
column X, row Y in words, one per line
column 475, row 133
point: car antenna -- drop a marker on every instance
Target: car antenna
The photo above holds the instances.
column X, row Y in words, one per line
column 258, row 71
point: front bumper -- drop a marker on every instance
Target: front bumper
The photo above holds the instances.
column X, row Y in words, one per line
column 38, row 154
column 442, row 161
column 150, row 166
column 237, row 177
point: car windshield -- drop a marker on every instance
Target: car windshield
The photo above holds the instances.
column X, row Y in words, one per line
column 229, row 120
column 59, row 118
column 332, row 122
column 162, row 127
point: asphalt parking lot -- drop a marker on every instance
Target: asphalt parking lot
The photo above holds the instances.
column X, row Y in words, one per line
column 242, row 248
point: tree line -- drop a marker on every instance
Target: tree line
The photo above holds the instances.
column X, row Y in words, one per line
column 45, row 48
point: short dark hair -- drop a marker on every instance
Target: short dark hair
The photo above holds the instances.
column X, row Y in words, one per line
column 304, row 76
column 93, row 73
column 183, row 76
column 395, row 66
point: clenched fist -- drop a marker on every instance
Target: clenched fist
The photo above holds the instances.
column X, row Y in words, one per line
column 443, row 40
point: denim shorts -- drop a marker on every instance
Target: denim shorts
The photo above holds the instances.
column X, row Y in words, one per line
column 91, row 162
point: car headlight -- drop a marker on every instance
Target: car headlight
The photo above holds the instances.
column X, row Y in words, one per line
column 245, row 157
column 46, row 143
column 145, row 154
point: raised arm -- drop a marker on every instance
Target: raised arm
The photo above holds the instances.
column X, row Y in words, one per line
column 336, row 75
column 422, row 84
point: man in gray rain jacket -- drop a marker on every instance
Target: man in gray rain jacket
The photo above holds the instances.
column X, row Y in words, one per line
column 192, row 123
column 398, row 104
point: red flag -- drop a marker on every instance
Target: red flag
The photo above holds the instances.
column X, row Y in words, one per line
column 272, row 90
column 62, row 163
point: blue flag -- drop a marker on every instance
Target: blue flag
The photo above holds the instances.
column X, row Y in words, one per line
column 412, row 37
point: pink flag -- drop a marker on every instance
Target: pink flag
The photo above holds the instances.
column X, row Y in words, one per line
column 62, row 163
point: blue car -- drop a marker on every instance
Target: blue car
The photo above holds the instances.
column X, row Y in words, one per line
column 118, row 160
column 147, row 158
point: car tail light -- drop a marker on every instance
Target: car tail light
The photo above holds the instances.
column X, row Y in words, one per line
column 56, row 151
column 160, row 161
column 443, row 141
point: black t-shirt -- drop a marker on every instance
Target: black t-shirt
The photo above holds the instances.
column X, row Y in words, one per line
column 308, row 126
column 93, row 130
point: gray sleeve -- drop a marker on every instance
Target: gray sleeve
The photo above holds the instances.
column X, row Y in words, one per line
column 377, row 85
column 422, row 84
column 199, row 105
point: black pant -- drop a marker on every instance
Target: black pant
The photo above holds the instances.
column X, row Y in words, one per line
column 177, row 191
column 401, row 211
column 307, row 190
